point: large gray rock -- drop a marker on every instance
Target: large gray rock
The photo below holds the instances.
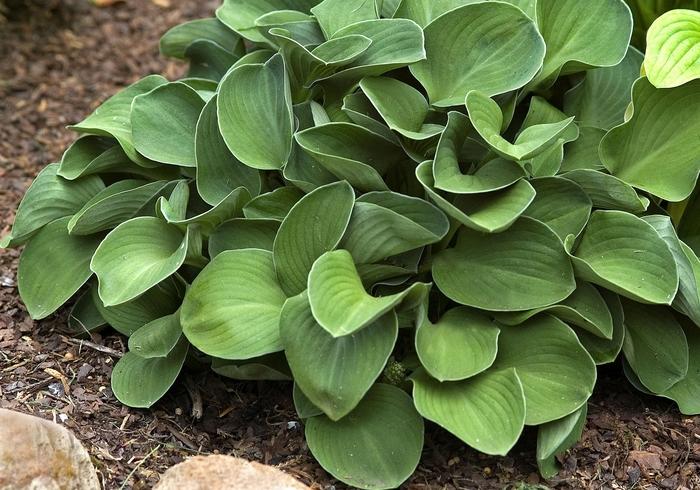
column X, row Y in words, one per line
column 37, row 454
column 218, row 472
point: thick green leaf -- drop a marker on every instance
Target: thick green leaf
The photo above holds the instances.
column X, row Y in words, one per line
column 625, row 254
column 157, row 338
column 387, row 223
column 673, row 51
column 232, row 309
column 338, row 299
column 305, row 409
column 254, row 109
column 560, row 204
column 423, row 13
column 604, row 351
column 135, row 256
column 492, row 47
column 230, row 206
column 359, row 110
column 177, row 39
column 655, row 346
column 334, row 373
column 607, row 191
column 313, row 226
column 557, row 373
column 662, row 133
column 240, row 15
column 139, row 382
column 271, row 367
column 333, row 15
column 521, row 268
column 52, row 268
column 273, row 205
column 208, row 61
column 487, row 119
column 85, row 316
column 243, row 233
column 583, row 152
column 377, row 446
column 685, row 392
column 113, row 117
column 163, row 123
column 48, row 198
column 486, row 411
column 554, row 438
column 579, row 35
column 461, row 344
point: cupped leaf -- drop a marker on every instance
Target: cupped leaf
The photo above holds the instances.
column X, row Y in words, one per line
column 376, row 446
column 208, row 61
column 113, row 117
column 52, row 268
column 521, row 268
column 661, row 134
column 218, row 171
column 487, row 119
column 492, row 47
column 135, row 256
column 313, row 226
column 685, row 392
column 229, row 207
column 176, row 40
column 240, row 15
column 560, row 204
column 49, row 198
column 486, row 411
column 85, row 315
column 334, row 373
column 557, row 373
column 604, row 351
column 333, row 15
column 254, row 109
column 655, row 346
column 157, row 338
column 139, row 382
column 673, row 51
column 301, row 27
column 607, row 191
column 625, row 254
column 461, row 344
column 388, row 223
column 232, row 309
column 580, row 35
column 554, row 438
column 241, row 233
column 338, row 299
column 273, row 205
column 583, row 152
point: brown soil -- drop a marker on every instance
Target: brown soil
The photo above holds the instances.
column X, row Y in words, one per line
column 58, row 60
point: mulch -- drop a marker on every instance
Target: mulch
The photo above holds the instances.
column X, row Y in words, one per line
column 58, row 60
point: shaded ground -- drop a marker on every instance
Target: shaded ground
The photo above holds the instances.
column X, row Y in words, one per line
column 57, row 61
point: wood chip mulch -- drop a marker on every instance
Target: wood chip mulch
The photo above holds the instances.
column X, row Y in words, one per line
column 58, row 60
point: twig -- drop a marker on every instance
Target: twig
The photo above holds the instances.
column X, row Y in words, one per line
column 138, row 465
column 31, row 388
column 93, row 345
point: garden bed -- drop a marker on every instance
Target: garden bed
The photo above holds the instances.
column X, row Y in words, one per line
column 56, row 65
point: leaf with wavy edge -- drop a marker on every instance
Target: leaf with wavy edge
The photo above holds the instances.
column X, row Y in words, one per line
column 560, row 204
column 176, row 40
column 274, row 204
column 239, row 233
column 240, row 15
column 157, row 338
column 333, row 15
column 673, row 49
column 607, row 191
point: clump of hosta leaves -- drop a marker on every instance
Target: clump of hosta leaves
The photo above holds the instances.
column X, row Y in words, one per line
column 448, row 211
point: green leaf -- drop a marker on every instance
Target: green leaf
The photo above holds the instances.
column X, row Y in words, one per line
column 305, row 409
column 554, row 438
column 240, row 15
column 242, row 233
column 351, row 153
column 461, row 344
column 177, row 39
column 673, row 54
column 333, row 15
column 492, row 47
column 229, row 207
column 655, row 346
column 157, row 338
column 623, row 253
column 402, row 107
column 601, row 98
column 273, row 205
column 271, row 367
column 487, row 212
column 52, row 267
column 607, row 191
column 486, row 411
column 135, row 256
column 377, row 446
column 358, row 109
column 163, row 123
column 662, row 132
column 487, row 119
column 423, row 13
column 139, row 382
column 604, row 351
column 557, row 373
column 483, row 269
column 218, row 171
column 387, row 223
column 338, row 299
column 579, row 36
column 50, row 197
column 334, row 373
column 685, row 391
column 85, row 316
column 254, row 109
column 560, row 204
column 117, row 203
column 313, row 226
column 232, row 309
column 583, row 152
column 585, row 308
column 113, row 117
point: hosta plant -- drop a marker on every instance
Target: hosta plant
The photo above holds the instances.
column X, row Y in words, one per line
column 416, row 210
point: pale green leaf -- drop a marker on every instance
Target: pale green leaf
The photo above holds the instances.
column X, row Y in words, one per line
column 273, row 205
column 333, row 15
column 157, row 338
column 607, row 191
column 560, row 204
column 241, row 233
column 177, row 39
column 554, row 438
column 673, row 49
